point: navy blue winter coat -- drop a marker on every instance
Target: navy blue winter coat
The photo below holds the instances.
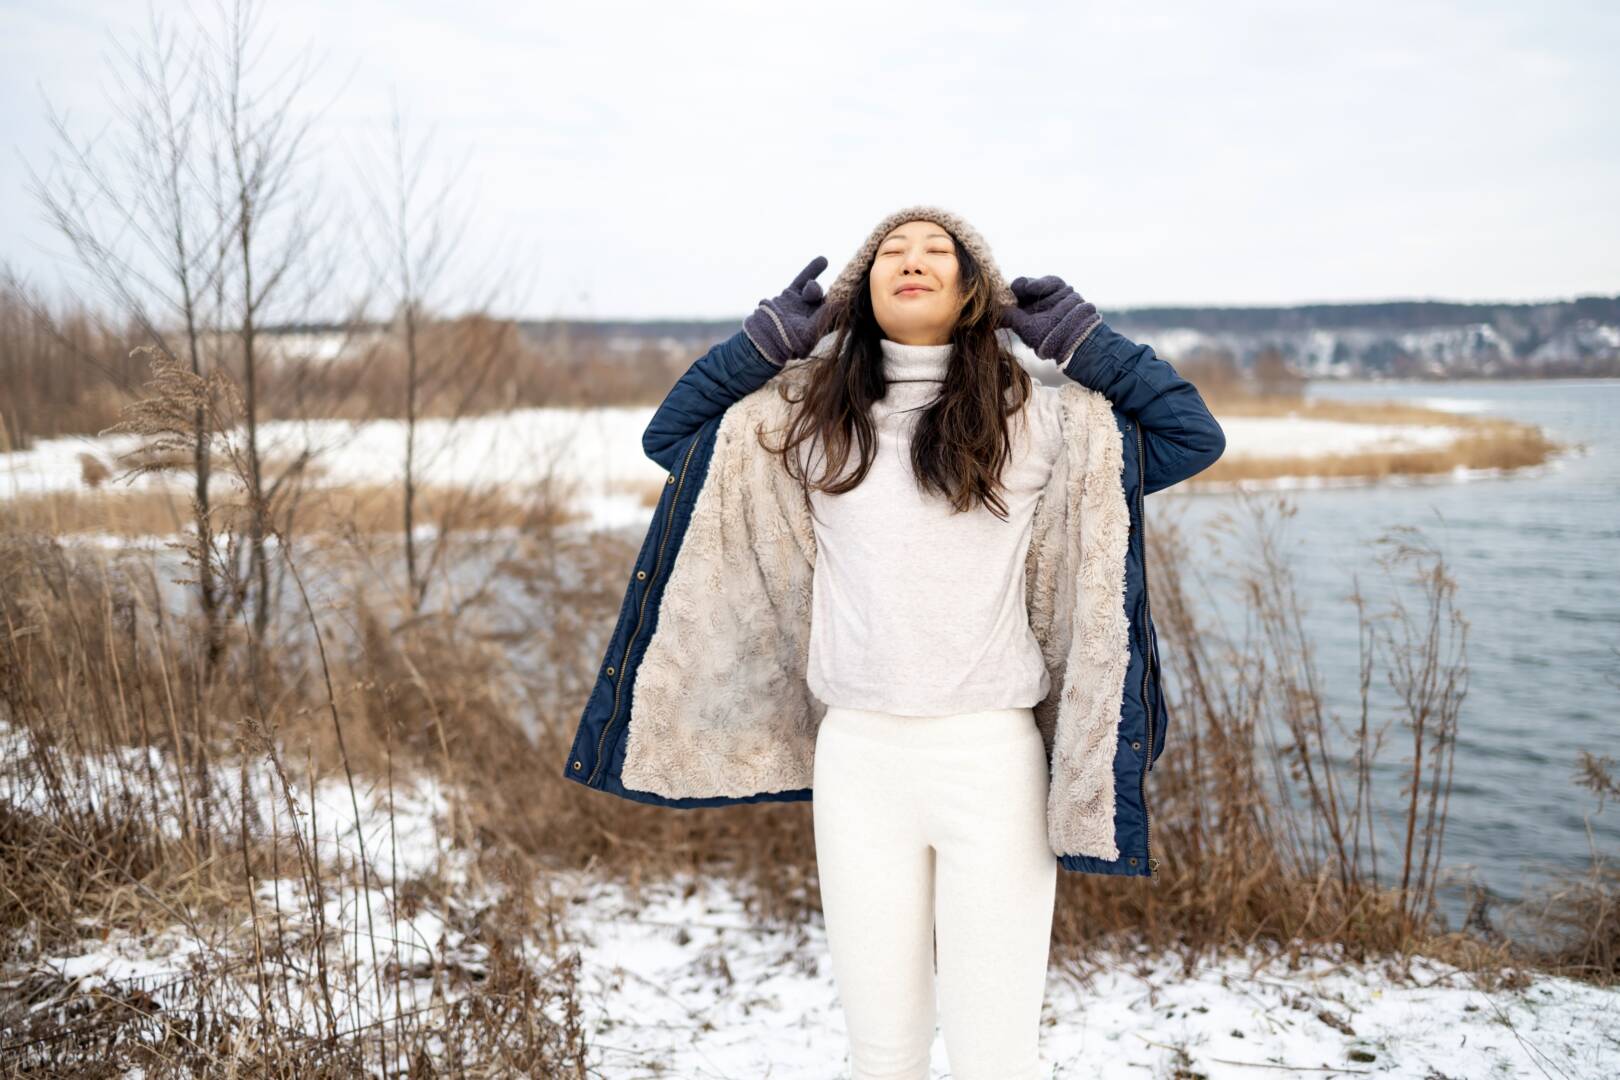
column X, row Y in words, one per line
column 700, row 699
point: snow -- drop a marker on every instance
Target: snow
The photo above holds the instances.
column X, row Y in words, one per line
column 593, row 448
column 1289, row 436
column 688, row 982
column 1455, row 405
column 399, row 832
column 407, row 846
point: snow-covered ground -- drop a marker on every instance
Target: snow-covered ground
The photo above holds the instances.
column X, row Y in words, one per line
column 594, row 453
column 683, row 983
column 385, row 935
column 1266, row 436
column 1454, row 405
column 685, row 986
column 687, row 982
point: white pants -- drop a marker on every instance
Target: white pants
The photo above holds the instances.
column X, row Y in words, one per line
column 932, row 830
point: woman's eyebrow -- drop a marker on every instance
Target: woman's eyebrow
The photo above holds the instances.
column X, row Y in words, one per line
column 930, row 236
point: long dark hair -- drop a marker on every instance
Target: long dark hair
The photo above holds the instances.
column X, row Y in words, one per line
column 962, row 439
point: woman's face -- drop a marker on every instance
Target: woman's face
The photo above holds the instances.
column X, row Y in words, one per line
column 915, row 284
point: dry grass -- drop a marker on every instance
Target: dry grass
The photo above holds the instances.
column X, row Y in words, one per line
column 647, row 492
column 367, row 509
column 1250, row 722
column 1503, row 445
column 1581, row 914
column 125, row 842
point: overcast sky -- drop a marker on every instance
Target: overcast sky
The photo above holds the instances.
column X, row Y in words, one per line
column 685, row 159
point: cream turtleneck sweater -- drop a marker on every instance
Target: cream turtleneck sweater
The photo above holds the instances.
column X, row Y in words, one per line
column 917, row 609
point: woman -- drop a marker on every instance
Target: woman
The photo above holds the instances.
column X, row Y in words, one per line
column 908, row 579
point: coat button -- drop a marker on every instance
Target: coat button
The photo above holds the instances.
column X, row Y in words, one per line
column 578, row 765
column 641, row 575
column 671, row 479
column 1136, row 744
column 610, row 669
column 1132, row 860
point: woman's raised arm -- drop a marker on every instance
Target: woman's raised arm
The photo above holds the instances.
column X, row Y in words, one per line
column 1180, row 437
column 781, row 328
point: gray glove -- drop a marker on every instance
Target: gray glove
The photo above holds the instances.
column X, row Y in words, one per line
column 1050, row 317
column 788, row 325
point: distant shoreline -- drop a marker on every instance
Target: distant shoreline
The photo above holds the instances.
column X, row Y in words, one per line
column 69, row 486
column 1356, row 443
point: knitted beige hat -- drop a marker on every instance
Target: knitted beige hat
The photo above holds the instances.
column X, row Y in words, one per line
column 967, row 236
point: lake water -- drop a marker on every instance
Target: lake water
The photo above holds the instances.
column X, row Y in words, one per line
column 1535, row 558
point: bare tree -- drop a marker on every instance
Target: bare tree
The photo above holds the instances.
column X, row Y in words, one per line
column 144, row 233
column 273, row 229
column 196, row 216
column 419, row 241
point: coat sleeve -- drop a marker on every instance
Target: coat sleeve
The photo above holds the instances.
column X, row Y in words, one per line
column 1180, row 437
column 726, row 373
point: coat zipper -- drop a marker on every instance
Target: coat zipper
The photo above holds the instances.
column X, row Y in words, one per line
column 658, row 564
column 1147, row 650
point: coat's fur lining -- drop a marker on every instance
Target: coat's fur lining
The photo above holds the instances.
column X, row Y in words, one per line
column 720, row 705
column 1077, row 566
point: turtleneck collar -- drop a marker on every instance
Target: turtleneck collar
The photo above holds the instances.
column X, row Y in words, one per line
column 915, row 362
